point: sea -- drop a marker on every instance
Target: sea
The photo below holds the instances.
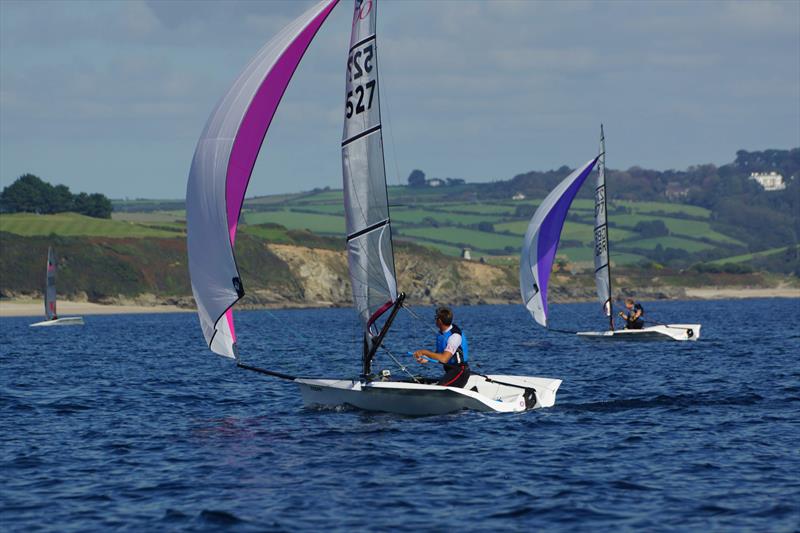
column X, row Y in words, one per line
column 130, row 424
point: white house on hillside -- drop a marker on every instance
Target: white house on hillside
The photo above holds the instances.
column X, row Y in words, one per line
column 771, row 181
column 518, row 196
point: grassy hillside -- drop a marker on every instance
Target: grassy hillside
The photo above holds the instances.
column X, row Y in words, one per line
column 447, row 219
column 74, row 225
column 441, row 219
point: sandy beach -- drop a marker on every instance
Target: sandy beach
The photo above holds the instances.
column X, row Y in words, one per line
column 720, row 293
column 29, row 307
column 9, row 308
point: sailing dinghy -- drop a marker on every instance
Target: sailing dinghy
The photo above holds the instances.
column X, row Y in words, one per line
column 223, row 161
column 50, row 298
column 539, row 251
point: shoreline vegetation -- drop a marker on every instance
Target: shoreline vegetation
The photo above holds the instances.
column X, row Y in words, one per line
column 28, row 307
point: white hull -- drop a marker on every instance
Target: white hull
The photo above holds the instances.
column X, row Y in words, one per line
column 668, row 332
column 415, row 399
column 66, row 321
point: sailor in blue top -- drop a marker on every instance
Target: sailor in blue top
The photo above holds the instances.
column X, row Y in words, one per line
column 633, row 320
column 452, row 350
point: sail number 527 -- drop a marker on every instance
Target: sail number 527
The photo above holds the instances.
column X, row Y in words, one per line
column 359, row 65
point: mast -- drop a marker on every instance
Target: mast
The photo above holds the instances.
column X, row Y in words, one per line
column 50, row 286
column 370, row 253
column 602, row 263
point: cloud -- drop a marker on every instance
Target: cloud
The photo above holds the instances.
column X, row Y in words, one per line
column 474, row 89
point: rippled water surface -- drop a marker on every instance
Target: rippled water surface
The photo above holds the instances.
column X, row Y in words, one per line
column 129, row 423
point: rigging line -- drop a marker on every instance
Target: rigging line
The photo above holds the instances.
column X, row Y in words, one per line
column 420, row 319
column 402, row 367
column 391, row 137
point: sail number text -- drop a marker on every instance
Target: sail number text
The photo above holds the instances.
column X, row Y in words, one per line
column 359, row 66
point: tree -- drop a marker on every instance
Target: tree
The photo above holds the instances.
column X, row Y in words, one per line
column 652, row 228
column 61, row 199
column 416, row 178
column 31, row 194
column 28, row 194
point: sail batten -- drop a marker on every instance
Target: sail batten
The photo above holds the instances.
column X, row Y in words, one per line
column 369, row 233
column 221, row 168
column 541, row 242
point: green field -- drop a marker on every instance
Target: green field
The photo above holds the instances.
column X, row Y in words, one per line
column 448, row 218
column 149, row 216
column 475, row 239
column 749, row 257
column 666, row 242
column 74, row 225
column 481, row 209
column 316, row 223
column 444, row 218
column 266, row 231
column 678, row 226
column 664, row 207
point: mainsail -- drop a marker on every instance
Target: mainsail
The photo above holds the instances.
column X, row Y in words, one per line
column 541, row 242
column 602, row 269
column 369, row 233
column 50, row 284
column 221, row 168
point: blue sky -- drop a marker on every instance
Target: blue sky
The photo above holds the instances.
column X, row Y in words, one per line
column 111, row 96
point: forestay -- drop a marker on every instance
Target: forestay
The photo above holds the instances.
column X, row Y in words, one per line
column 369, row 233
column 50, row 284
column 221, row 168
column 541, row 242
column 602, row 269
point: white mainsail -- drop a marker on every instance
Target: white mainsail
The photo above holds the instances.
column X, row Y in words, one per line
column 221, row 168
column 541, row 242
column 369, row 233
column 50, row 286
column 602, row 269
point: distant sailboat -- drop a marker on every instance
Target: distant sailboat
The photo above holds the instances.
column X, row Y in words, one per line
column 222, row 164
column 50, row 298
column 539, row 250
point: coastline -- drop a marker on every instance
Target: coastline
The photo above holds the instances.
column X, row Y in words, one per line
column 27, row 307
column 725, row 293
column 21, row 307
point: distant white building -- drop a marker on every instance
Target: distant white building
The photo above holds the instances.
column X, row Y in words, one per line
column 518, row 196
column 435, row 182
column 675, row 191
column 771, row 181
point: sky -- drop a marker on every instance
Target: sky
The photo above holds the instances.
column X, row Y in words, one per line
column 112, row 96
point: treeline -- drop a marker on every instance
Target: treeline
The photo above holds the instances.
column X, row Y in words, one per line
column 31, row 194
column 739, row 206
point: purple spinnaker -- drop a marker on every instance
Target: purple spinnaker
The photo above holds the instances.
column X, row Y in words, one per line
column 550, row 232
column 541, row 242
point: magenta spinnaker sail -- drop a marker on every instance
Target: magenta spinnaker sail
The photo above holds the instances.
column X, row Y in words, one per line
column 541, row 242
column 221, row 168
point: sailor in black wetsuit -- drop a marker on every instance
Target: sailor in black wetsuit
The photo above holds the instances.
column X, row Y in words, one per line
column 452, row 350
column 633, row 320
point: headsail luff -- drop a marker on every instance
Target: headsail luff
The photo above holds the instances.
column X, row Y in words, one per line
column 221, row 168
column 50, row 284
column 602, row 268
column 541, row 242
column 369, row 233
